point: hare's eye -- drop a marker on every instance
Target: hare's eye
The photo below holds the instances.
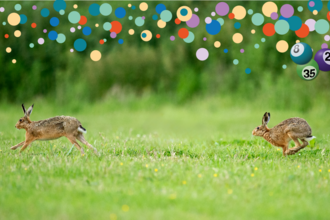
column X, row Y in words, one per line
column 258, row 128
column 20, row 120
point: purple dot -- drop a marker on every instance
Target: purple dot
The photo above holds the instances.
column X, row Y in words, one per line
column 242, row 50
column 113, row 35
column 213, row 13
column 274, row 15
column 196, row 9
column 311, row 4
column 193, row 21
column 172, row 38
column 311, row 24
column 287, row 10
column 72, row 29
column 45, row 30
column 324, row 45
column 202, row 54
column 208, row 20
column 79, row 27
column 143, row 17
column 222, row 8
column 71, row 50
column 41, row 41
column 326, row 37
column 204, row 39
column 2, row 9
column 34, row 7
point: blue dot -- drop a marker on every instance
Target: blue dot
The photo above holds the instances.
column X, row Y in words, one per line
column 237, row 25
column 294, row 23
column 225, row 50
column 23, row 19
column 87, row 31
column 213, row 28
column 120, row 41
column 54, row 21
column 120, row 12
column 155, row 17
column 184, row 12
column 59, row 5
column 160, row 8
column 318, row 5
column 133, row 7
column 144, row 35
column 80, row 44
column 94, row 9
column 52, row 35
column 247, row 70
column 44, row 12
column 283, row 18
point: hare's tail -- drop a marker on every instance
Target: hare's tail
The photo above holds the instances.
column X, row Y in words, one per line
column 82, row 129
column 309, row 138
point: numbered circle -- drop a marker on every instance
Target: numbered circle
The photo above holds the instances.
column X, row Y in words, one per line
column 308, row 71
column 322, row 57
column 301, row 53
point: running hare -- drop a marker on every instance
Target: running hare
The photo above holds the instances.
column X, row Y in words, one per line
column 284, row 132
column 50, row 129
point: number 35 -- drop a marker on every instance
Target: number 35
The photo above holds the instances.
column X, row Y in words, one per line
column 309, row 73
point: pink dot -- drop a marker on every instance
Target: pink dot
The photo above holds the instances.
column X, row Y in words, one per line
column 204, row 39
column 34, row 7
column 196, row 9
column 71, row 50
column 41, row 41
column 113, row 35
column 324, row 45
column 143, row 17
column 311, row 3
column 79, row 27
column 242, row 50
column 45, row 30
column 208, row 20
column 172, row 38
column 72, row 29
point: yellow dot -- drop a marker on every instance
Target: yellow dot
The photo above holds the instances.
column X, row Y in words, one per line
column 173, row 196
column 14, row 19
column 14, row 61
column 217, row 44
column 237, row 38
column 75, row 6
column 297, row 41
column 148, row 37
column 131, row 31
column 17, row 33
column 329, row 171
column 315, row 12
column 143, row 6
column 25, row 168
column 256, row 168
column 113, row 217
column 97, row 25
column 320, row 170
column 156, row 170
column 121, row 164
column 184, row 182
column 96, row 55
column 83, row 155
column 282, row 46
column 8, row 49
column 239, row 12
column 129, row 5
column 268, row 8
column 253, row 31
column 252, row 174
column 199, row 175
column 215, row 175
column 147, row 165
column 125, row 208
column 230, row 191
column 298, row 166
column 161, row 23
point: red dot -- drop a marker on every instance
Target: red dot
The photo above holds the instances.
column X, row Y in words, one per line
column 33, row 25
column 158, row 35
column 177, row 21
column 116, row 27
column 183, row 33
column 268, row 29
column 6, row 35
column 231, row 16
column 303, row 31
column 83, row 20
column 101, row 41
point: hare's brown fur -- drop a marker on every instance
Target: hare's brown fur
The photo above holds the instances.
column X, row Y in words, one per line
column 50, row 129
column 284, row 132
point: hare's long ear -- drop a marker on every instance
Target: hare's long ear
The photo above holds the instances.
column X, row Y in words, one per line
column 29, row 111
column 265, row 118
column 23, row 109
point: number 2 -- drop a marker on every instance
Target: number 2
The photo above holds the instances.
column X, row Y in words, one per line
column 328, row 57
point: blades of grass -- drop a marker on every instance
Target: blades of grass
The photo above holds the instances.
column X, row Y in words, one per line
column 70, row 151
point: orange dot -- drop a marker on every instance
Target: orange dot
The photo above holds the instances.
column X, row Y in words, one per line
column 33, row 25
column 6, row 35
column 116, row 27
column 328, row 16
column 231, row 16
column 158, row 35
column 269, row 29
column 303, row 31
column 83, row 20
column 177, row 21
column 101, row 41
column 183, row 33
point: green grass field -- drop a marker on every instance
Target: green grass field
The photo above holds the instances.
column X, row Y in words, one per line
column 195, row 161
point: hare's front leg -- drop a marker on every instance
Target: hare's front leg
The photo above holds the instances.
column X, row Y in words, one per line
column 17, row 145
column 81, row 138
column 26, row 143
column 72, row 139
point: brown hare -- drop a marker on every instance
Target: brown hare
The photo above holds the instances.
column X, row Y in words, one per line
column 284, row 132
column 50, row 129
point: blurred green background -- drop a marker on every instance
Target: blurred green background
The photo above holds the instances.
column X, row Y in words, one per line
column 160, row 70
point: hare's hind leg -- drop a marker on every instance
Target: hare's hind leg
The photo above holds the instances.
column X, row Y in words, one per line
column 298, row 146
column 73, row 141
column 17, row 145
column 81, row 138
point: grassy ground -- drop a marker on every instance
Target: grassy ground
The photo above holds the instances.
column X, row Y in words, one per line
column 197, row 161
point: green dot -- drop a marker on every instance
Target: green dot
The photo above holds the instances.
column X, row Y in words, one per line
column 139, row 21
column 18, row 7
column 300, row 8
column 236, row 61
column 263, row 39
column 256, row 46
column 62, row 12
column 31, row 45
column 60, row 38
column 107, row 26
